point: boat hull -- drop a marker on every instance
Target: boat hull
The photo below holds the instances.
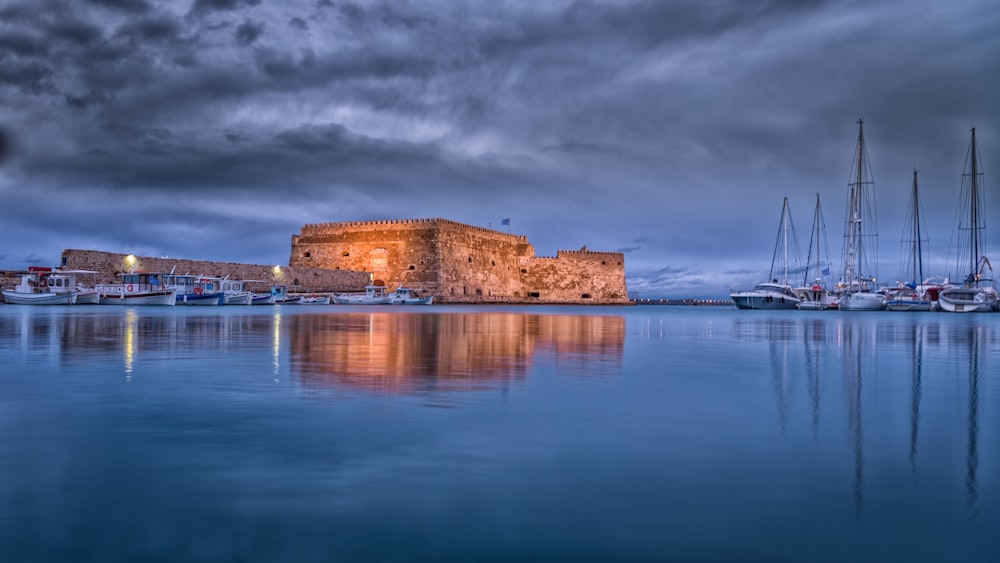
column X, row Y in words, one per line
column 88, row 298
column 908, row 305
column 242, row 298
column 359, row 300
column 201, row 299
column 162, row 298
column 412, row 301
column 19, row 298
column 762, row 301
column 967, row 300
column 861, row 301
column 266, row 299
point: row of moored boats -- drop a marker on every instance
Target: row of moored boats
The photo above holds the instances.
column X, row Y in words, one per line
column 48, row 286
column 857, row 289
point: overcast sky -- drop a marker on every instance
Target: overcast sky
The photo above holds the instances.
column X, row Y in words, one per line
column 666, row 130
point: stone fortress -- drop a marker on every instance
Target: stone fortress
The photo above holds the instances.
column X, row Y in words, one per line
column 460, row 263
column 454, row 262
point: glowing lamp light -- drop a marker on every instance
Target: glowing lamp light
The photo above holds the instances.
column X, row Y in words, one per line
column 130, row 261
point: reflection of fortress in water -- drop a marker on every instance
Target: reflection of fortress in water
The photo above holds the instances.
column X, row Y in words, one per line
column 415, row 352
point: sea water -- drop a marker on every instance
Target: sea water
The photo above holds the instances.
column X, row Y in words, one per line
column 332, row 433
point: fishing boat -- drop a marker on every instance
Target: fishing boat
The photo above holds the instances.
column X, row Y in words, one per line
column 816, row 295
column 978, row 291
column 773, row 294
column 280, row 296
column 33, row 289
column 373, row 295
column 195, row 290
column 912, row 294
column 138, row 288
column 857, row 290
column 233, row 292
column 408, row 296
column 64, row 281
column 262, row 299
column 314, row 299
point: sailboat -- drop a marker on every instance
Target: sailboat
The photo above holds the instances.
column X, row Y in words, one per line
column 773, row 294
column 857, row 288
column 978, row 292
column 916, row 293
column 816, row 295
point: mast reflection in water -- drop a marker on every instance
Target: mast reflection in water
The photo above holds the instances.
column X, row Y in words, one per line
column 606, row 434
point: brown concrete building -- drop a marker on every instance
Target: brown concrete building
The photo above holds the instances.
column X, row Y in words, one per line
column 460, row 263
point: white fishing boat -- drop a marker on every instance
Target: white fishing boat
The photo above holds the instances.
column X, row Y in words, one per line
column 408, row 296
column 262, row 299
column 373, row 295
column 234, row 293
column 314, row 299
column 138, row 288
column 816, row 295
column 857, row 291
column 774, row 294
column 33, row 289
column 978, row 291
column 64, row 281
column 912, row 295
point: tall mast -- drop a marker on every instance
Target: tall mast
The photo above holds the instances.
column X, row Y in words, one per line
column 816, row 221
column 918, row 255
column 784, row 223
column 974, row 208
column 859, row 198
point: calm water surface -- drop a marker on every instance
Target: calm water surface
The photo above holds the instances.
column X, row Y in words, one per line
column 497, row 434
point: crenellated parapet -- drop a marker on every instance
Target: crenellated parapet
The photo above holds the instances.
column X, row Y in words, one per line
column 335, row 228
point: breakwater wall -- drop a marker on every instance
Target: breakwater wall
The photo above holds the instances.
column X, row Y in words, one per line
column 297, row 278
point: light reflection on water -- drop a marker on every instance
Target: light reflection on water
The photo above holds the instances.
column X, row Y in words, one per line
column 582, row 433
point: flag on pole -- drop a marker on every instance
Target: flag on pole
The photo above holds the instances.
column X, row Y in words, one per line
column 826, row 271
column 505, row 221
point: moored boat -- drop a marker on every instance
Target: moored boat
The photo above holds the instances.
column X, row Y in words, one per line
column 33, row 289
column 911, row 295
column 142, row 288
column 978, row 291
column 233, row 293
column 773, row 294
column 63, row 281
column 195, row 290
column 858, row 290
column 373, row 295
column 408, row 296
column 280, row 296
column 816, row 296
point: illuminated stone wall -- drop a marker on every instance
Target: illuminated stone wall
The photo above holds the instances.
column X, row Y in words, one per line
column 300, row 279
column 460, row 263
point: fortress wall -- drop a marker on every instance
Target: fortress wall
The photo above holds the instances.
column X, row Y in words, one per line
column 107, row 264
column 577, row 277
column 479, row 265
column 396, row 253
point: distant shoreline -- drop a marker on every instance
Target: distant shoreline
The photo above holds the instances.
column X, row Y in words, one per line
column 688, row 302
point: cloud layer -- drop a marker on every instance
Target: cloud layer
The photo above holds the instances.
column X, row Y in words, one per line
column 666, row 130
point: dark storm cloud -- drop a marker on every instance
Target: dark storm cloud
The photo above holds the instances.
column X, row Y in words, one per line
column 131, row 6
column 248, row 32
column 202, row 7
column 666, row 130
